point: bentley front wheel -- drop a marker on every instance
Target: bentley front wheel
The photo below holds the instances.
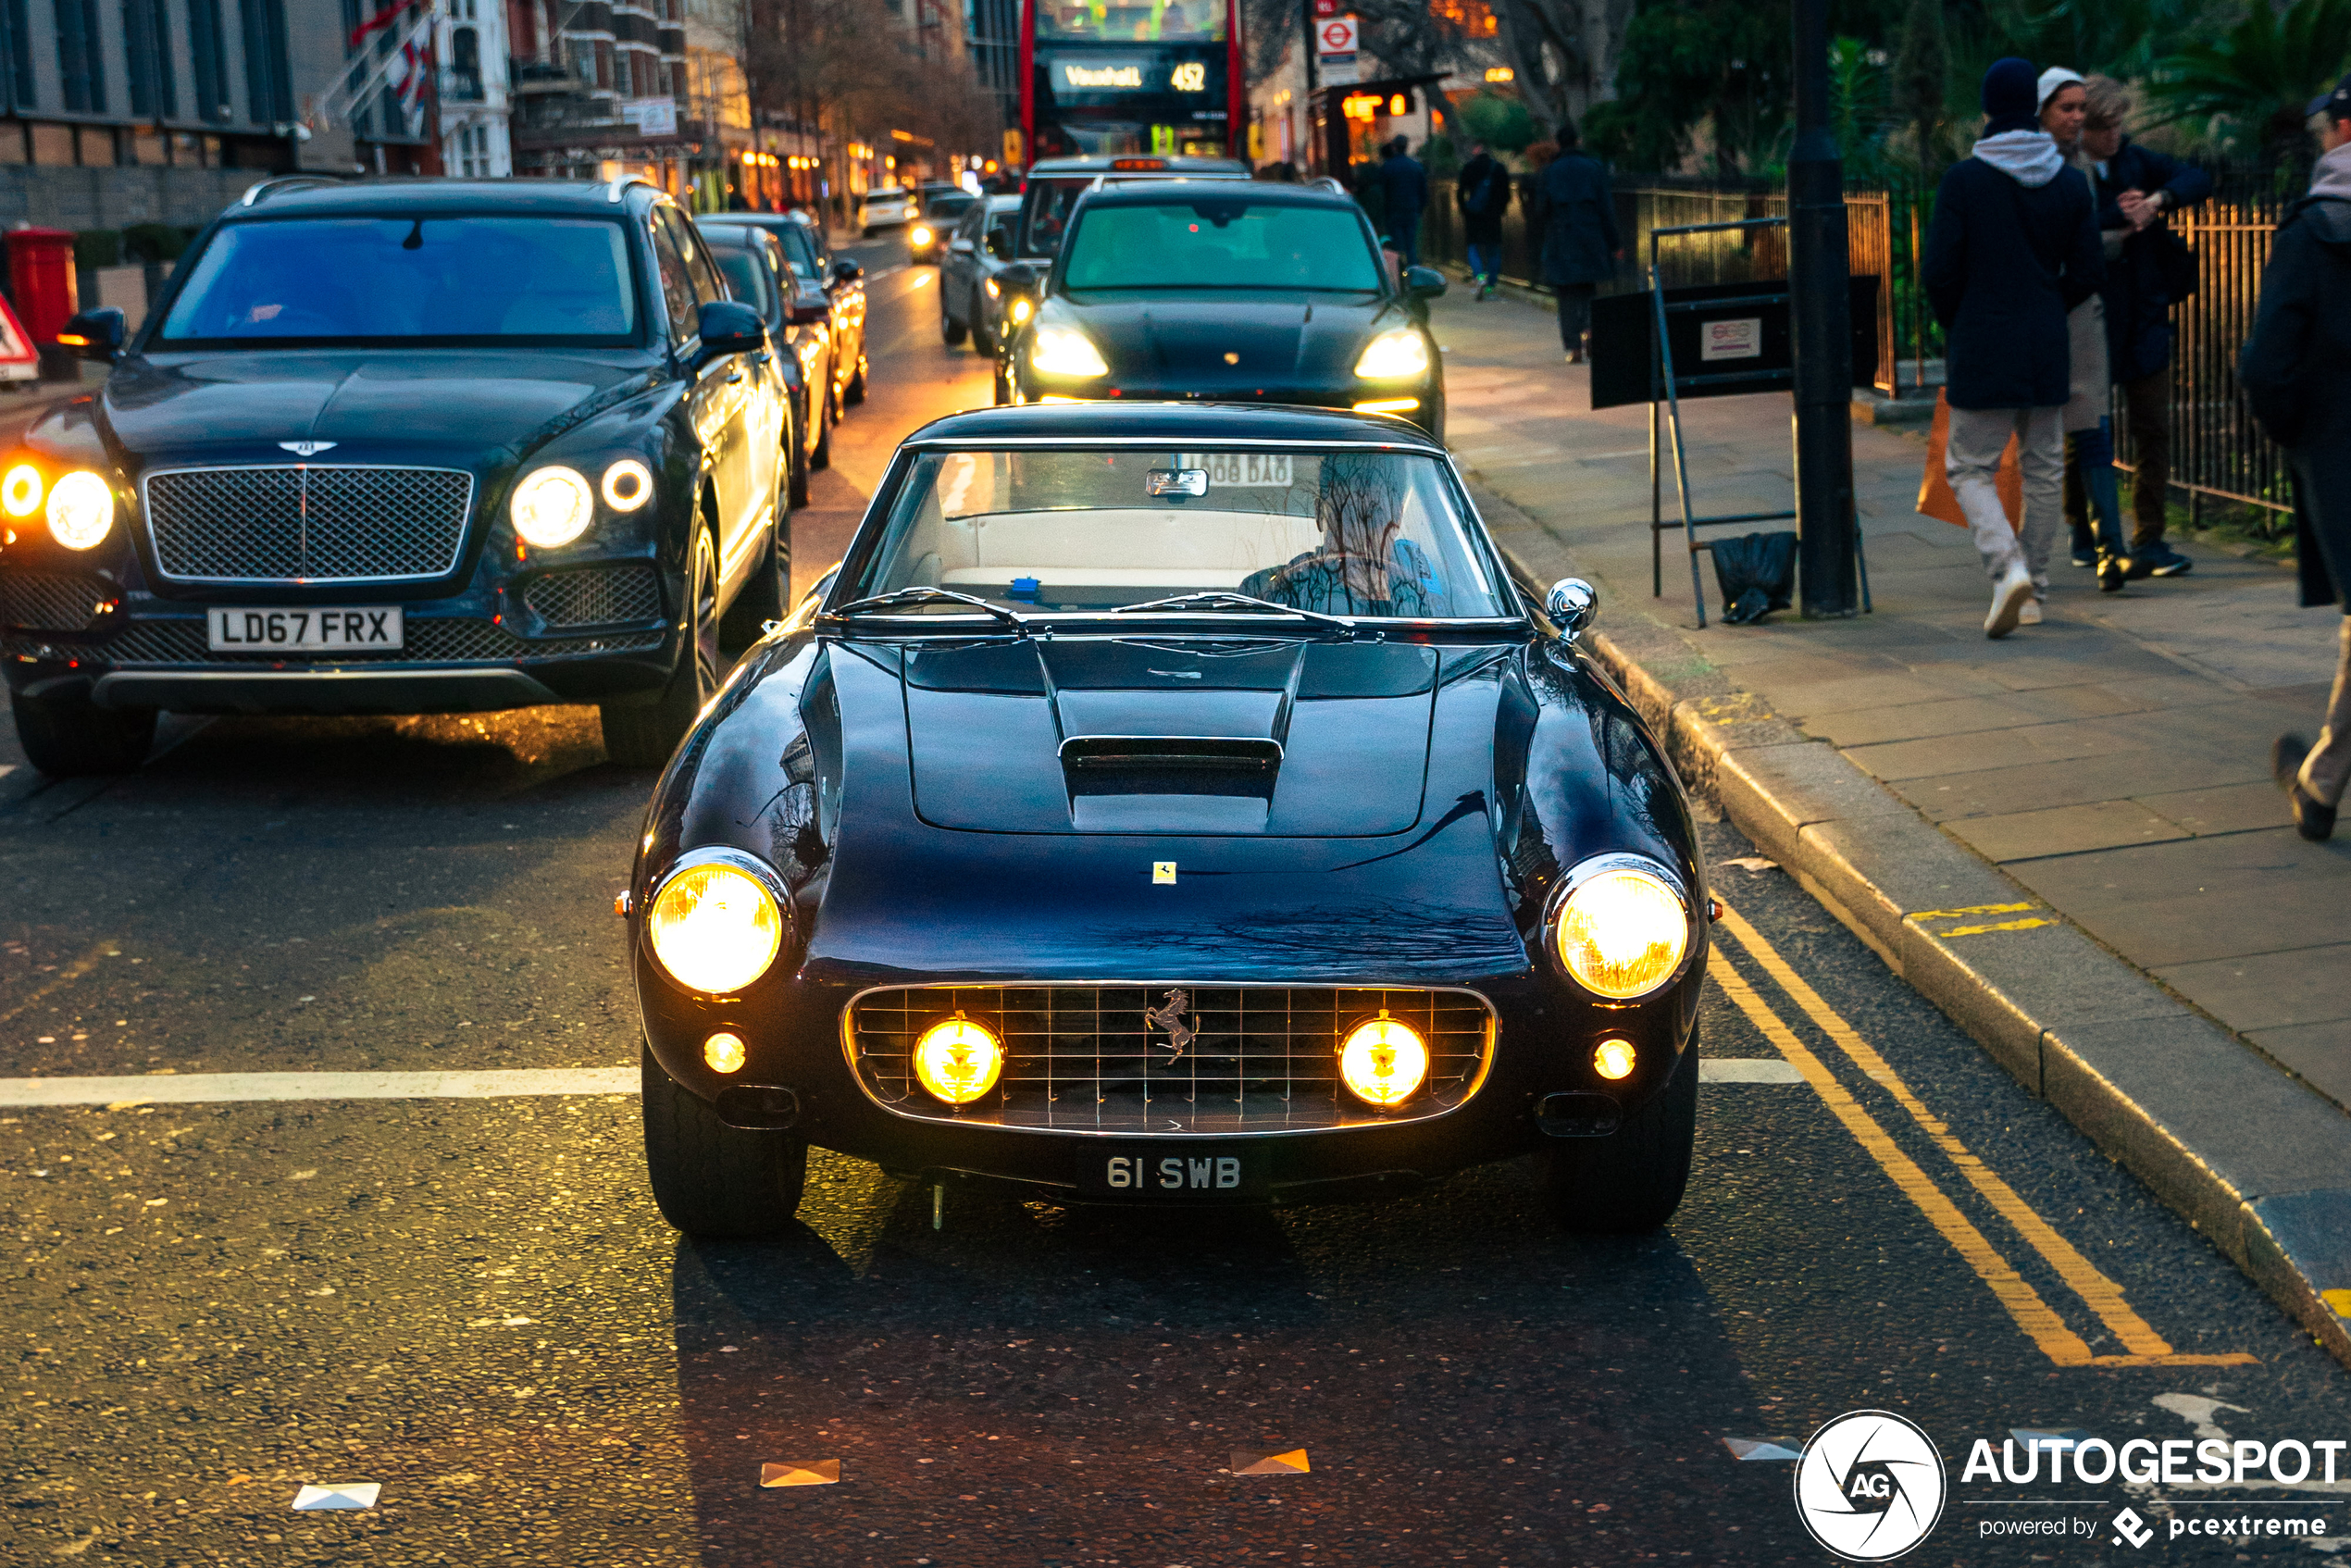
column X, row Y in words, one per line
column 1632, row 1179
column 712, row 1180
column 67, row 736
column 643, row 736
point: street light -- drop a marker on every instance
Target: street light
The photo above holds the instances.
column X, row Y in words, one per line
column 1820, row 304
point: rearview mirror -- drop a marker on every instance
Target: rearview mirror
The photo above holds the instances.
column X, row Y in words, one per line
column 1020, row 277
column 1424, row 282
column 847, row 272
column 96, row 334
column 1572, row 603
column 729, row 327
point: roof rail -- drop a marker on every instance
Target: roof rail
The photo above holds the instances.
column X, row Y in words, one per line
column 626, row 180
column 255, row 193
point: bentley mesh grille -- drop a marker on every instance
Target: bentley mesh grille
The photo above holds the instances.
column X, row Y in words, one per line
column 51, row 601
column 1082, row 1058
column 428, row 642
column 596, row 596
column 306, row 523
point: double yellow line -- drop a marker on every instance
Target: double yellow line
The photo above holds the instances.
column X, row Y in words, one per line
column 2047, row 1330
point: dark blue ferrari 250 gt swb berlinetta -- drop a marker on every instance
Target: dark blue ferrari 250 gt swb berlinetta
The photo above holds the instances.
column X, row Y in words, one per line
column 1170, row 804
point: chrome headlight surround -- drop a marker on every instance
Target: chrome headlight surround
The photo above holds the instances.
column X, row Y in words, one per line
column 1581, row 874
column 734, row 860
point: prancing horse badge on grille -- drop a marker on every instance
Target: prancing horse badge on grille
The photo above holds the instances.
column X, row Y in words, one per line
column 306, row 448
column 1171, row 1018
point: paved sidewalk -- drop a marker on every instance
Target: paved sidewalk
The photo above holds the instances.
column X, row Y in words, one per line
column 2114, row 760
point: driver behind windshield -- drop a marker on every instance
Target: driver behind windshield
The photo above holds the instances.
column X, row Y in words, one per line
column 1365, row 565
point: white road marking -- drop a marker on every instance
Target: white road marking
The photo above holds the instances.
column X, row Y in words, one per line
column 187, row 1088
column 1748, row 1070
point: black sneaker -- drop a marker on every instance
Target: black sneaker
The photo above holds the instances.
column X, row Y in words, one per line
column 2313, row 818
column 2161, row 560
column 2113, row 572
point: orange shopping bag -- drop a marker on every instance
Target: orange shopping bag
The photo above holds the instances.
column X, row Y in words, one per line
column 1936, row 499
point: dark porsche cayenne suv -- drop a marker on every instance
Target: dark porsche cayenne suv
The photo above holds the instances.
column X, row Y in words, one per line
column 426, row 446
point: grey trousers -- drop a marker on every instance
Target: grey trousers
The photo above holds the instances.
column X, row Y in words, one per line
column 1972, row 461
column 2328, row 767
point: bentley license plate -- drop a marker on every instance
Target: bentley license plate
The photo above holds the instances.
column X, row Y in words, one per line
column 1155, row 1170
column 304, row 631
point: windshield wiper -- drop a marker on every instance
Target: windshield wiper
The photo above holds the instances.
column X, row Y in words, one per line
column 1224, row 599
column 932, row 596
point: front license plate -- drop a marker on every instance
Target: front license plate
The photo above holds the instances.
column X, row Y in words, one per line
column 1148, row 1171
column 304, row 631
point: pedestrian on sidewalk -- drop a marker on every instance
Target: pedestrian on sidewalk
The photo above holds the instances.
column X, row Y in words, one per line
column 2088, row 421
column 2013, row 248
column 1581, row 244
column 2149, row 270
column 1404, row 188
column 1483, row 193
column 2292, row 373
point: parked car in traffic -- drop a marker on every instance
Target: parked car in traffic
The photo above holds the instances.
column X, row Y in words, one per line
column 1055, row 186
column 406, row 446
column 943, row 205
column 1235, row 292
column 799, row 321
column 843, row 281
column 1170, row 805
column 886, row 206
column 971, row 303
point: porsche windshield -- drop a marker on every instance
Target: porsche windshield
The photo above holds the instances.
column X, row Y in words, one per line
column 1220, row 243
column 1356, row 534
column 534, row 280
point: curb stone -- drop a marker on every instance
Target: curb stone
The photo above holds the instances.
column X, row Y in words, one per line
column 2236, row 1146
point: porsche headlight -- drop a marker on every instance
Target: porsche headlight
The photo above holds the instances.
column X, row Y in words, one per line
column 1623, row 927
column 716, row 924
column 1021, row 311
column 1393, row 355
column 1383, row 1062
column 80, row 510
column 958, row 1060
column 628, row 485
column 551, row 506
column 20, row 491
column 1065, row 350
column 919, row 235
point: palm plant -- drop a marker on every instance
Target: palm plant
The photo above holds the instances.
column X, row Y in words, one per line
column 2258, row 77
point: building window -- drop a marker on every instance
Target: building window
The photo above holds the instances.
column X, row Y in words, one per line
column 146, row 42
column 206, row 45
column 268, row 79
column 79, row 62
column 16, row 53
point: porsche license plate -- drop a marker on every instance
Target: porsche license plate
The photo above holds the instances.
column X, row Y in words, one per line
column 369, row 630
column 1148, row 1171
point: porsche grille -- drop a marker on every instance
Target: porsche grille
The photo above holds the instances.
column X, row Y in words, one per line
column 1082, row 1058
column 305, row 523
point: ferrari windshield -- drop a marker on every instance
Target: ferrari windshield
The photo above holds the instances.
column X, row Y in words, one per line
column 1332, row 533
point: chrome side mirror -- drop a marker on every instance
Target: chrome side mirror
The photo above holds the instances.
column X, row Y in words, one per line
column 1572, row 603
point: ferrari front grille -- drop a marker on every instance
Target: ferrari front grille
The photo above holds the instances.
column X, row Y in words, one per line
column 305, row 523
column 1241, row 1059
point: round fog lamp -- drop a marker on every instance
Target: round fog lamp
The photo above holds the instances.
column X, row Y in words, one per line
column 958, row 1060
column 1621, row 932
column 1612, row 1058
column 21, row 491
column 628, row 484
column 80, row 510
column 715, row 927
column 725, row 1052
column 552, row 507
column 1383, row 1062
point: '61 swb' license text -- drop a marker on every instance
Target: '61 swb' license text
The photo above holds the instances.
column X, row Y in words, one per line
column 368, row 630
column 1148, row 1171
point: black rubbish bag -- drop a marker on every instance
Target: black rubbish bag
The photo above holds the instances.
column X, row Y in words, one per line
column 1757, row 575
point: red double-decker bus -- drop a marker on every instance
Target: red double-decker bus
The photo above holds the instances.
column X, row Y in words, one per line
column 1110, row 76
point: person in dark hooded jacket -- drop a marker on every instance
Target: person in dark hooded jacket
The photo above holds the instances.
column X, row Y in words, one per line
column 2294, row 373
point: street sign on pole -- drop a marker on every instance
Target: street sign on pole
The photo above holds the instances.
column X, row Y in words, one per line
column 1334, row 51
column 1818, row 263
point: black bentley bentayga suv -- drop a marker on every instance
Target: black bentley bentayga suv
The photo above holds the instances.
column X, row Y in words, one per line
column 402, row 447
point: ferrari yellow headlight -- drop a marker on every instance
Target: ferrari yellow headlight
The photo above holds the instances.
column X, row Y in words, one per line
column 551, row 506
column 1393, row 355
column 1065, row 350
column 958, row 1060
column 1622, row 931
column 1383, row 1062
column 21, row 491
column 715, row 927
column 80, row 510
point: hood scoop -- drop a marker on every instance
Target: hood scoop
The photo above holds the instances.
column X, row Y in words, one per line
column 1286, row 739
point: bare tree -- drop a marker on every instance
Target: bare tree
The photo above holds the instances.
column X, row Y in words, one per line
column 1564, row 53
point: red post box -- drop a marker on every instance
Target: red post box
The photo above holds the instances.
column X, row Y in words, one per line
column 41, row 280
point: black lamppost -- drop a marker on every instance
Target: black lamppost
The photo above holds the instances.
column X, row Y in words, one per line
column 1818, row 265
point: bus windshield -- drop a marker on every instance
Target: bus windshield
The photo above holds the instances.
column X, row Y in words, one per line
column 1154, row 21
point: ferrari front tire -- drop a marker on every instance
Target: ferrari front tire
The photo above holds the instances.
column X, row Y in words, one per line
column 1632, row 1179
column 713, row 1181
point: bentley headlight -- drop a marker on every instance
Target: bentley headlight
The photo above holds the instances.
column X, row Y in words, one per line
column 716, row 925
column 1383, row 1062
column 80, row 510
column 20, row 491
column 1393, row 355
column 958, row 1060
column 1623, row 927
column 1065, row 350
column 628, row 485
column 551, row 506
